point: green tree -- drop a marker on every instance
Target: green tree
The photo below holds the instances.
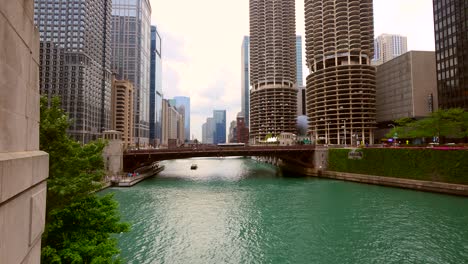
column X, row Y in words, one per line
column 78, row 222
column 450, row 123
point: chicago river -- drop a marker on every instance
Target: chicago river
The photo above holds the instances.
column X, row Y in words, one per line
column 238, row 210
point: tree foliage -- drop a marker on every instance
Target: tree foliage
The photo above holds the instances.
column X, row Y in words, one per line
column 78, row 222
column 450, row 123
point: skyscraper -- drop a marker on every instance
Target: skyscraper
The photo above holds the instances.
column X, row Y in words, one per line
column 75, row 61
column 208, row 130
column 388, row 47
column 299, row 77
column 245, row 86
column 131, row 57
column 341, row 86
column 183, row 104
column 272, row 68
column 122, row 109
column 451, row 45
column 219, row 117
column 156, row 93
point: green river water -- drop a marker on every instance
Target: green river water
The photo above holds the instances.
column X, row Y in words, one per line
column 238, row 210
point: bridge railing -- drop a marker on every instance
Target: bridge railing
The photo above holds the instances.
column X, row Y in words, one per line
column 204, row 148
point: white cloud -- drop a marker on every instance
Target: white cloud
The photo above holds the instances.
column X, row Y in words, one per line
column 203, row 43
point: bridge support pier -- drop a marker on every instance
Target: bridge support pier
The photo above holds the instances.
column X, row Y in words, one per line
column 113, row 153
column 306, row 164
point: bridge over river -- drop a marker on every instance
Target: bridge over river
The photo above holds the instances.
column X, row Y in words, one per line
column 299, row 153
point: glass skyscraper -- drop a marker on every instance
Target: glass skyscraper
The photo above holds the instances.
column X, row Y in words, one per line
column 131, row 57
column 299, row 61
column 451, row 46
column 155, row 88
column 245, row 86
column 219, row 117
column 183, row 104
column 75, row 61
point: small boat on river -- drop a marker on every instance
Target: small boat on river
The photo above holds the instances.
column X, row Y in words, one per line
column 194, row 166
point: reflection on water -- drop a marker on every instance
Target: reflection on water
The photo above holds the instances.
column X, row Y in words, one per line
column 235, row 210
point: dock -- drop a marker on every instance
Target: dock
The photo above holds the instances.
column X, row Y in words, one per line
column 138, row 176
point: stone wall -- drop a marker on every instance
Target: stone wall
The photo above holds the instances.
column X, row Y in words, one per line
column 23, row 168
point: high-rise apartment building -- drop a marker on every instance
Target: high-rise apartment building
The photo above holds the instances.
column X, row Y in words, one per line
column 131, row 57
column 219, row 117
column 272, row 68
column 341, row 86
column 75, row 61
column 299, row 77
column 245, row 86
column 388, row 47
column 183, row 105
column 156, row 94
column 122, row 109
column 451, row 45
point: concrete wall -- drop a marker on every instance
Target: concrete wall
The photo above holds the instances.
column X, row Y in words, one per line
column 424, row 81
column 23, row 168
column 113, row 157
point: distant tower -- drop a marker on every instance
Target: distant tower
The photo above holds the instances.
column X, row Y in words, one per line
column 273, row 95
column 156, row 93
column 299, row 61
column 387, row 47
column 183, row 104
column 451, row 46
column 245, row 86
column 341, row 86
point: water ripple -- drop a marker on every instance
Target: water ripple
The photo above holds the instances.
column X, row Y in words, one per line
column 240, row 211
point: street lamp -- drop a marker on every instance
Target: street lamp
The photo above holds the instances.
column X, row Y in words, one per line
column 328, row 133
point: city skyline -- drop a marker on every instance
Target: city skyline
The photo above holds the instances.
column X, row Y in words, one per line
column 189, row 56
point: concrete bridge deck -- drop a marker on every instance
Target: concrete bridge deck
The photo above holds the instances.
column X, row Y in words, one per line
column 135, row 158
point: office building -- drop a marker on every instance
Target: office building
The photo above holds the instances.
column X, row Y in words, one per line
column 183, row 104
column 208, row 130
column 75, row 61
column 242, row 130
column 273, row 95
column 299, row 77
column 156, row 93
column 451, row 46
column 131, row 58
column 406, row 87
column 172, row 125
column 122, row 109
column 341, row 86
column 232, row 137
column 387, row 47
column 219, row 118
column 245, row 85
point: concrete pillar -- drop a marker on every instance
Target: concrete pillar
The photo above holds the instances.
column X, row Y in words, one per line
column 23, row 168
column 113, row 153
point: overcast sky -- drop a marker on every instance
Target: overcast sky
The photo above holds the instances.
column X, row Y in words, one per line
column 202, row 46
